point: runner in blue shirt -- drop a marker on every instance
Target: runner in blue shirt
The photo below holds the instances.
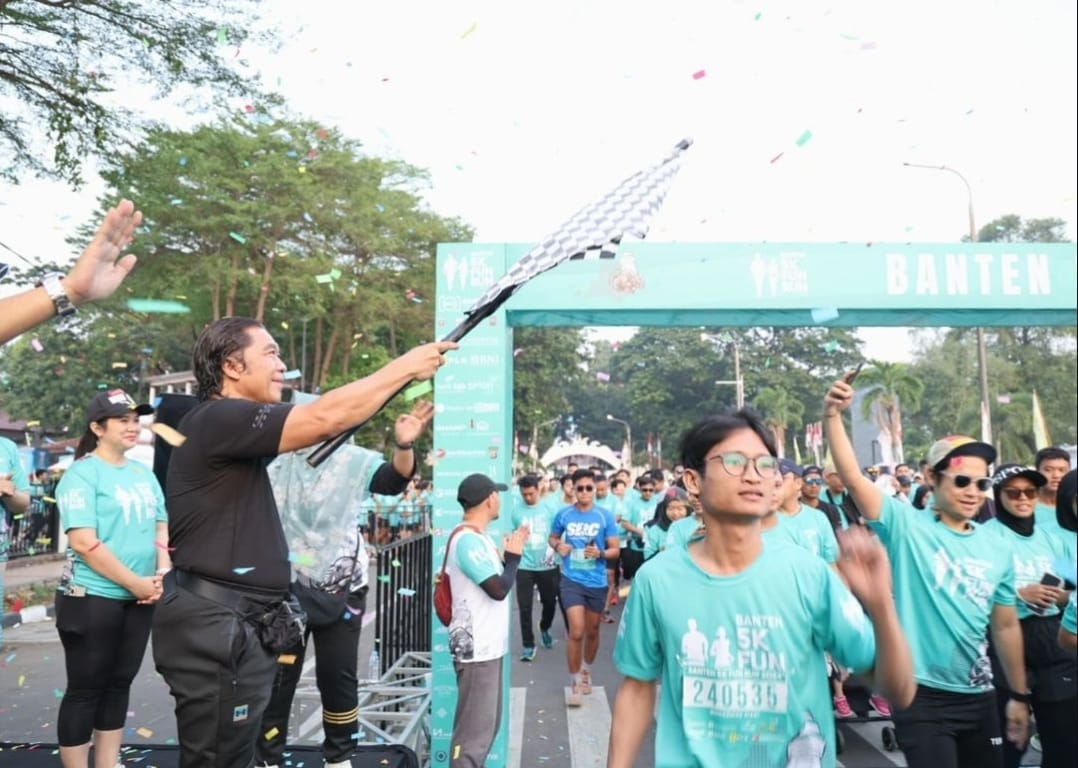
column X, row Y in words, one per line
column 737, row 626
column 584, row 536
column 952, row 582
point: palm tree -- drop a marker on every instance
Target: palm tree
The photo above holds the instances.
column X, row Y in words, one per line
column 889, row 385
column 781, row 410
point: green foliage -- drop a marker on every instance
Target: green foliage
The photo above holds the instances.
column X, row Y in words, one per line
column 1011, row 229
column 546, row 378
column 61, row 61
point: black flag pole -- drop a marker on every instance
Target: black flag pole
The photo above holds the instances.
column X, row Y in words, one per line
column 625, row 210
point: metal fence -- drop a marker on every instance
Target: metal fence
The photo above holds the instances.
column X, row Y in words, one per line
column 35, row 532
column 404, row 599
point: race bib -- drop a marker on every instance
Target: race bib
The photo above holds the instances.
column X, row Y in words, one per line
column 578, row 562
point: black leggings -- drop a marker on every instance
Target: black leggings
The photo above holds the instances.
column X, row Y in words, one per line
column 104, row 641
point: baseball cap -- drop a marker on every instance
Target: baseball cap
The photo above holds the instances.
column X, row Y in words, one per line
column 113, row 404
column 1006, row 471
column 959, row 445
column 786, row 466
column 812, row 468
column 475, row 489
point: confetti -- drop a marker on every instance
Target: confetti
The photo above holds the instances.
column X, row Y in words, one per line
column 469, row 30
column 418, row 390
column 144, row 732
column 757, row 16
column 830, row 346
column 396, row 563
column 57, row 693
column 37, row 345
column 286, row 658
column 601, row 376
column 238, row 238
column 243, row 570
column 295, row 373
column 823, row 314
column 699, row 74
column 270, row 733
column 10, row 657
column 407, row 592
column 381, row 208
column 775, row 159
column 169, row 434
column 159, row 306
column 119, row 365
column 222, row 35
column 803, row 139
column 22, row 679
column 182, row 161
column 384, row 578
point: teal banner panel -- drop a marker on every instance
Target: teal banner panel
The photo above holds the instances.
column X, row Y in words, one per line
column 472, row 433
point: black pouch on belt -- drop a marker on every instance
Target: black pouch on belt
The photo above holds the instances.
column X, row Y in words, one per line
column 280, row 625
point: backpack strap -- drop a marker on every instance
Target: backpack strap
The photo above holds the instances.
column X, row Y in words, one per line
column 445, row 558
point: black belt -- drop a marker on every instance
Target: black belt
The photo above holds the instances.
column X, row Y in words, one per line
column 230, row 597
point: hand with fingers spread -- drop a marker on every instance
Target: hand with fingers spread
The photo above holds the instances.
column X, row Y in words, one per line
column 409, row 426
column 100, row 270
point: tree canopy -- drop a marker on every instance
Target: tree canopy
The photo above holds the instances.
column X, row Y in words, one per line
column 60, row 61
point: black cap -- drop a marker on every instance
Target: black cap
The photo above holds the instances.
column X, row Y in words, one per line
column 114, row 403
column 475, row 489
column 812, row 468
column 1006, row 471
column 788, row 466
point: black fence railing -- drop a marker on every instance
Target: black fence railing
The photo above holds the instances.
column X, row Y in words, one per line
column 404, row 598
column 34, row 532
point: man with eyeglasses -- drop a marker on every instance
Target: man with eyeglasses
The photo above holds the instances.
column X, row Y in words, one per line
column 585, row 537
column 736, row 625
column 953, row 583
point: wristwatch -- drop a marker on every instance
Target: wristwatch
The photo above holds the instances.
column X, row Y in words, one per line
column 1021, row 698
column 55, row 289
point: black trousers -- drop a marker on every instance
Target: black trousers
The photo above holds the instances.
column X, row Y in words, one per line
column 942, row 729
column 219, row 674
column 104, row 641
column 336, row 652
column 546, row 582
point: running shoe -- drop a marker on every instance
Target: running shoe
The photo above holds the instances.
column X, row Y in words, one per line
column 843, row 710
column 585, row 682
column 528, row 654
column 607, row 618
column 548, row 641
column 574, row 699
column 880, row 705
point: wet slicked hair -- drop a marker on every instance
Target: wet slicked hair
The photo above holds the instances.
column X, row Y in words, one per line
column 219, row 341
column 714, row 429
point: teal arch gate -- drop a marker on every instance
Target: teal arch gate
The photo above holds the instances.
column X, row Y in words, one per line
column 699, row 284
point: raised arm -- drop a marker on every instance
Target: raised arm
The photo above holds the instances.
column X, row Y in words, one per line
column 345, row 407
column 865, row 493
column 95, row 275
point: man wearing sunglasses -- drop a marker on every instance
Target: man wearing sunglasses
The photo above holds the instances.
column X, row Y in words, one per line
column 812, row 483
column 953, row 582
column 585, row 537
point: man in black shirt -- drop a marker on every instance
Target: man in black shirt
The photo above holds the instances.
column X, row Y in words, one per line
column 230, row 559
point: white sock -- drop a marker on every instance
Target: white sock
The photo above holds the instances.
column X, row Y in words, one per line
column 585, row 667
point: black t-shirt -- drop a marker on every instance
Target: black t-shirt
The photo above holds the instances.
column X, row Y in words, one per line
column 222, row 517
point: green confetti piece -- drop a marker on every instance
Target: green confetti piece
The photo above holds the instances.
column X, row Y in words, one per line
column 758, row 15
column 418, row 390
column 802, row 140
column 222, row 35
column 396, row 563
column 335, row 273
column 57, row 693
column 830, row 346
column 238, row 238
column 384, row 579
column 323, row 279
column 160, row 306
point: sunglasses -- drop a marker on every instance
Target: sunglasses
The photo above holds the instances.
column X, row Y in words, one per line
column 1014, row 494
column 647, row 490
column 961, row 481
column 585, row 488
column 814, row 481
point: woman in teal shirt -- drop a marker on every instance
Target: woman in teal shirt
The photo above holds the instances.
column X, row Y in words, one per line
column 114, row 514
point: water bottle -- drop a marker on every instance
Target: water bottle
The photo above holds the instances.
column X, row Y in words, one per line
column 374, row 665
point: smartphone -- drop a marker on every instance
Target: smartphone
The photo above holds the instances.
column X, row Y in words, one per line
column 1051, row 580
column 849, row 377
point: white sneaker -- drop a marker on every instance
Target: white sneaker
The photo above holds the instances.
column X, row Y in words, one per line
column 343, row 764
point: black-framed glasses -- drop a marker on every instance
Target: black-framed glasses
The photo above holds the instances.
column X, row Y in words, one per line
column 1014, row 494
column 736, row 463
column 813, row 481
column 963, row 481
column 584, row 488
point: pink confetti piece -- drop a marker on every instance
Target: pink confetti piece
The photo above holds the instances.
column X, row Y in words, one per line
column 36, row 345
column 775, row 159
column 699, row 74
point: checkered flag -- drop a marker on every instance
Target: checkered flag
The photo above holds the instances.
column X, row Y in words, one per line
column 594, row 232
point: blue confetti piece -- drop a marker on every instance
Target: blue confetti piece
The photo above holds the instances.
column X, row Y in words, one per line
column 10, row 657
column 243, row 570
column 823, row 314
column 381, row 208
column 406, row 592
column 347, row 616
column 295, row 373
column 183, row 161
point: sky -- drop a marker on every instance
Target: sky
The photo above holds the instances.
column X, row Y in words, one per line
column 802, row 114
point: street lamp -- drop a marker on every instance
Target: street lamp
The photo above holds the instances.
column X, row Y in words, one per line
column 737, row 381
column 982, row 357
column 625, row 461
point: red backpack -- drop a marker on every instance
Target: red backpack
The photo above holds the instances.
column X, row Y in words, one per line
column 443, row 593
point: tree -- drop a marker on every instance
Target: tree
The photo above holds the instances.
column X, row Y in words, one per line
column 61, row 61
column 546, row 377
column 892, row 386
column 780, row 410
column 1011, row 229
